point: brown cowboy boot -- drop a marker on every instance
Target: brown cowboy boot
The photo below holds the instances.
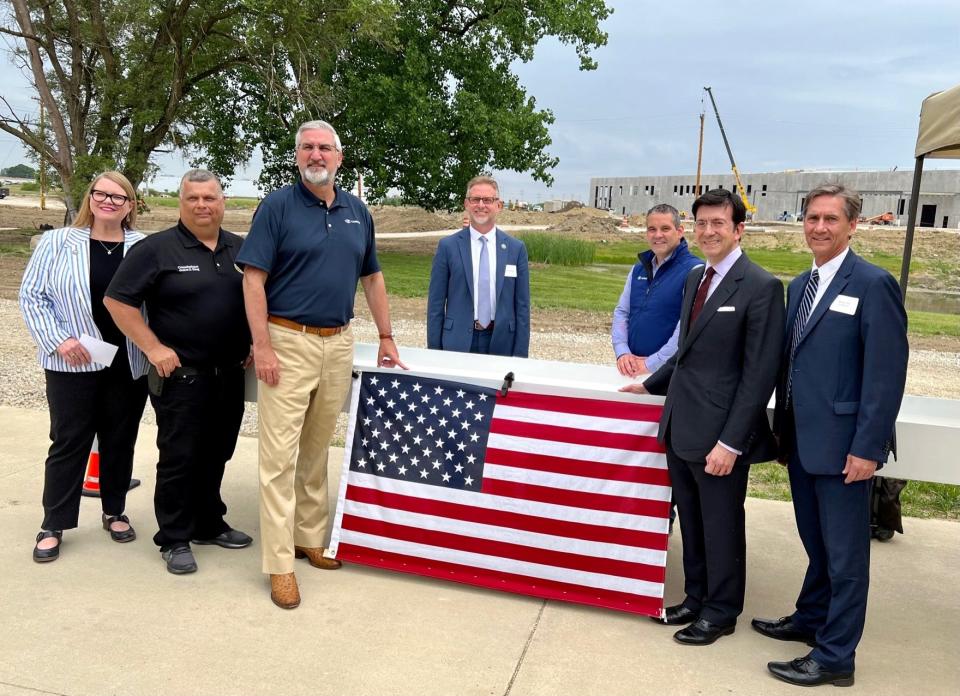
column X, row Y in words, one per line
column 315, row 556
column 284, row 591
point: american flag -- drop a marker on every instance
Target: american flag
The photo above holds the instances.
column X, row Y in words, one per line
column 551, row 496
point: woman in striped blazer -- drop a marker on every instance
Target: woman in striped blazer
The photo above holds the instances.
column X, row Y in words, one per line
column 61, row 298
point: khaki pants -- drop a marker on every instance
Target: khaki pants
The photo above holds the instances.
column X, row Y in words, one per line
column 297, row 420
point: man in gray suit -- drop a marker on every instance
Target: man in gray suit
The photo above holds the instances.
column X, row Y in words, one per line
column 714, row 421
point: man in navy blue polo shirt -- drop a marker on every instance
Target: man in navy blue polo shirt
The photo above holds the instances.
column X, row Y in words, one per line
column 309, row 245
column 197, row 343
column 645, row 319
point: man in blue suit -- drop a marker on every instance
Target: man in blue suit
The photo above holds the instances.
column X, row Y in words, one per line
column 479, row 298
column 843, row 372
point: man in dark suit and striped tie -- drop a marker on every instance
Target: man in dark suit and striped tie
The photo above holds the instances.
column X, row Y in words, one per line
column 838, row 396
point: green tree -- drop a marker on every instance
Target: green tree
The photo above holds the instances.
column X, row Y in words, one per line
column 19, row 171
column 117, row 79
column 421, row 91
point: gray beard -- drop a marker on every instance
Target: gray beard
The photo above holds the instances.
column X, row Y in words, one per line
column 319, row 177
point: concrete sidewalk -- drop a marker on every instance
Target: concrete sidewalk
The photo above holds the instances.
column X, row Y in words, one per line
column 107, row 618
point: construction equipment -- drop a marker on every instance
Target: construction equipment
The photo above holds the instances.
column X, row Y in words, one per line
column 881, row 219
column 752, row 209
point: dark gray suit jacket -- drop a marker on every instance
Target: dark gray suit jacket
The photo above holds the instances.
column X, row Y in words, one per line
column 720, row 379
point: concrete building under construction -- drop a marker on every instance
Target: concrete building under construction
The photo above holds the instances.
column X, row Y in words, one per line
column 780, row 194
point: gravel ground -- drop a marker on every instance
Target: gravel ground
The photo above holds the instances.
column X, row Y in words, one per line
column 931, row 373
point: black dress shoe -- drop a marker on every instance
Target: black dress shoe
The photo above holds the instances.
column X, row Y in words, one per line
column 702, row 632
column 120, row 537
column 805, row 671
column 677, row 615
column 47, row 555
column 783, row 629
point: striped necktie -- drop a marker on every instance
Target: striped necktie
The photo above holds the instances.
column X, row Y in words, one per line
column 806, row 305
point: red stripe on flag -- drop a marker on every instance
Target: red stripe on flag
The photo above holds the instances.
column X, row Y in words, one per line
column 502, row 549
column 578, row 467
column 579, row 436
column 505, row 582
column 511, row 520
column 585, row 407
column 578, row 499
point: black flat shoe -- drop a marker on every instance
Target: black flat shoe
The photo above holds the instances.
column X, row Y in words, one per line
column 47, row 555
column 120, row 537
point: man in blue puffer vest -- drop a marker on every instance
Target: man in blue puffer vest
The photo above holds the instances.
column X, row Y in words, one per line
column 645, row 319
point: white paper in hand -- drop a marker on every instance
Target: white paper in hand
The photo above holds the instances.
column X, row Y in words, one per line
column 100, row 351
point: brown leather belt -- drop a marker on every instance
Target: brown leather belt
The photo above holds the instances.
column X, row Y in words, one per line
column 477, row 326
column 315, row 330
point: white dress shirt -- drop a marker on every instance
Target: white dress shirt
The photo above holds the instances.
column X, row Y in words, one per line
column 722, row 268
column 827, row 272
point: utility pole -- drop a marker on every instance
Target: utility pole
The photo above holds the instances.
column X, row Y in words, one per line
column 696, row 188
column 43, row 158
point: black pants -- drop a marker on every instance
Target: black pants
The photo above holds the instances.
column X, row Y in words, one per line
column 198, row 420
column 108, row 404
column 714, row 537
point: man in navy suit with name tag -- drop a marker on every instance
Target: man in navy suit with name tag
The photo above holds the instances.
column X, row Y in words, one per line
column 479, row 298
column 843, row 371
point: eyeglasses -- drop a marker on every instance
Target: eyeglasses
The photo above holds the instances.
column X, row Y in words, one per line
column 325, row 149
column 115, row 198
column 486, row 200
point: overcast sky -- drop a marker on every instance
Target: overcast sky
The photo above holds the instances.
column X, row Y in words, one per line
column 824, row 85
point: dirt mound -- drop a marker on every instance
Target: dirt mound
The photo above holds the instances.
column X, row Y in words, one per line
column 585, row 212
column 525, row 217
column 408, row 218
column 587, row 223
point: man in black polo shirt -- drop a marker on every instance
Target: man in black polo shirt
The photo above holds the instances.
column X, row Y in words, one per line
column 197, row 343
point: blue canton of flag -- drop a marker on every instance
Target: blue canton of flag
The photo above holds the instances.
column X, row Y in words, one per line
column 423, row 430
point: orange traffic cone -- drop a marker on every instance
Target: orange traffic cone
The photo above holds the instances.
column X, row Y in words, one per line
column 625, row 222
column 91, row 482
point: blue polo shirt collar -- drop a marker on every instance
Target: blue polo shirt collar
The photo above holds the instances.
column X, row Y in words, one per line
column 310, row 199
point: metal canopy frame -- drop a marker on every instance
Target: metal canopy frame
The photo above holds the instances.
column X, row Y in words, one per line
column 938, row 136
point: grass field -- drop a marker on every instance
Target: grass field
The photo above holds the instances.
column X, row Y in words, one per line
column 780, row 262
column 597, row 287
column 918, row 499
column 238, row 203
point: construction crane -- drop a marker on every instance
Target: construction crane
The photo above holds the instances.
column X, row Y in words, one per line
column 751, row 208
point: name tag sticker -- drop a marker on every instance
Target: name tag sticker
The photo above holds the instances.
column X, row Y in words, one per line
column 510, row 271
column 845, row 304
column 728, row 308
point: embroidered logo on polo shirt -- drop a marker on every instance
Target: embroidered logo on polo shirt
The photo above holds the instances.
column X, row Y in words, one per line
column 187, row 269
column 351, row 222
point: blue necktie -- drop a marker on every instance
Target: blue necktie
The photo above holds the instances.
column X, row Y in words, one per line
column 483, row 285
column 806, row 304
